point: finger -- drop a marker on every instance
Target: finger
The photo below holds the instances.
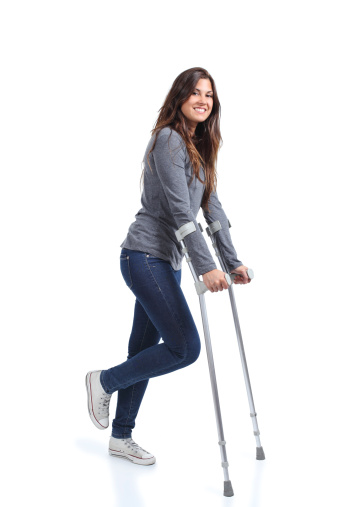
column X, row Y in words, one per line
column 224, row 284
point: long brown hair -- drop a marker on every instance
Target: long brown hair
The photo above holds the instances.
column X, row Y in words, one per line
column 203, row 147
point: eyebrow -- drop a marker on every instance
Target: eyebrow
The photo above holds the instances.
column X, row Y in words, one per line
column 210, row 91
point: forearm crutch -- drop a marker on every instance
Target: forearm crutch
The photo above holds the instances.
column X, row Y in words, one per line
column 183, row 231
column 211, row 230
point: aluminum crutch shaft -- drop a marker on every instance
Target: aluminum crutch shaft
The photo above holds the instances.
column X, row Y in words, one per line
column 211, row 230
column 200, row 289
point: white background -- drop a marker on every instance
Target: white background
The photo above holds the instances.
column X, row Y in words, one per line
column 82, row 83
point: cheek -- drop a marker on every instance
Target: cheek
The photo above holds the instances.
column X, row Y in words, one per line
column 186, row 108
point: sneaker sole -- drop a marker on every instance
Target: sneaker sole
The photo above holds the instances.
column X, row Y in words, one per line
column 133, row 459
column 89, row 403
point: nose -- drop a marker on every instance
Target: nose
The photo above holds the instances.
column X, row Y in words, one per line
column 201, row 102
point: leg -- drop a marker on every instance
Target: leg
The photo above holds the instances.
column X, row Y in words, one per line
column 143, row 335
column 153, row 282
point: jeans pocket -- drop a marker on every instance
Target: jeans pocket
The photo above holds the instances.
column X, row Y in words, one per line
column 125, row 269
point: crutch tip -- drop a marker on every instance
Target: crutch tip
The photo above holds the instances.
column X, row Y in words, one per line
column 228, row 491
column 260, row 453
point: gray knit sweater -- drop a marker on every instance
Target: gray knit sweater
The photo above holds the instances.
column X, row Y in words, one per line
column 168, row 203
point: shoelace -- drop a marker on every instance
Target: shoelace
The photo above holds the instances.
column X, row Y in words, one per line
column 135, row 445
column 105, row 402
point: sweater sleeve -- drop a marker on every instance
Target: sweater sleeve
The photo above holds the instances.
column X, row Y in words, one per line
column 223, row 238
column 169, row 157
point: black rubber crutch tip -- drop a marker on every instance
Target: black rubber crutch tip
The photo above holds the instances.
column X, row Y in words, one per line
column 260, row 453
column 228, row 491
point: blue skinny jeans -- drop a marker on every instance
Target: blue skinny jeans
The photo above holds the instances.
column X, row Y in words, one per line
column 161, row 311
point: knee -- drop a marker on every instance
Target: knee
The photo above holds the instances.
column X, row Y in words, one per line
column 192, row 351
column 188, row 351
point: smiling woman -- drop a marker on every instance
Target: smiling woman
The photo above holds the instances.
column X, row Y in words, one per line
column 179, row 179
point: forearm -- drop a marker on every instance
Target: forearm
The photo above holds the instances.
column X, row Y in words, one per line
column 222, row 237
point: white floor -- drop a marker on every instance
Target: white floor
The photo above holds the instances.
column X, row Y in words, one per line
column 64, row 460
column 300, row 466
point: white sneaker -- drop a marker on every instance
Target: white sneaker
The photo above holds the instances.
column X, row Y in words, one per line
column 98, row 400
column 127, row 448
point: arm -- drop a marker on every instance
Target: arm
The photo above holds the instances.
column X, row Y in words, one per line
column 169, row 158
column 223, row 238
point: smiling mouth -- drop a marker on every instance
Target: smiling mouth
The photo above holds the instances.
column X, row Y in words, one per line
column 200, row 110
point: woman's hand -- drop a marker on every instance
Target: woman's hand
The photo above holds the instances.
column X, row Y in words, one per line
column 215, row 280
column 242, row 275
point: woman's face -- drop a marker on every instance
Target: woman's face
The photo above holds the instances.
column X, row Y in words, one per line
column 199, row 105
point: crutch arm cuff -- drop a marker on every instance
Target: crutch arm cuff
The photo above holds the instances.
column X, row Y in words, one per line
column 184, row 230
column 214, row 227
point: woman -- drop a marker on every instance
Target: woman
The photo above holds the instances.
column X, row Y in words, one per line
column 179, row 178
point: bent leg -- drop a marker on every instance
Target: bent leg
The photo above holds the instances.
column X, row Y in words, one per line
column 153, row 282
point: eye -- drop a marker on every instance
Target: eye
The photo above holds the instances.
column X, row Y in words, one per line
column 196, row 93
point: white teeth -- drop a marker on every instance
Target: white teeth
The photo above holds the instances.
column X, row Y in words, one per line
column 200, row 110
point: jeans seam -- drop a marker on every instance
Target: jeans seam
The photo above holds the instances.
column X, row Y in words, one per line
column 131, row 403
column 173, row 315
column 144, row 334
column 125, row 257
column 131, row 280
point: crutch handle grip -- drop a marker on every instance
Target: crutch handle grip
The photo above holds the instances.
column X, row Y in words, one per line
column 249, row 272
column 228, row 278
column 201, row 287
